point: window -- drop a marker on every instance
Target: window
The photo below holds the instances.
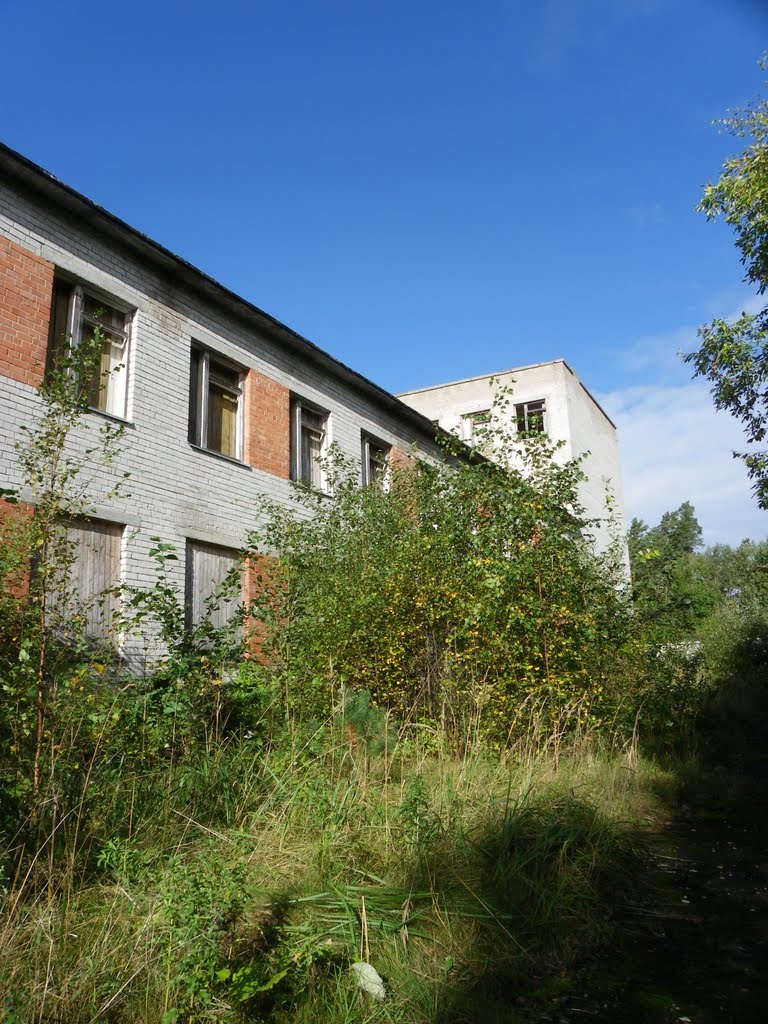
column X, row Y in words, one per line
column 76, row 315
column 473, row 425
column 375, row 459
column 93, row 568
column 529, row 417
column 309, row 442
column 208, row 592
column 215, row 404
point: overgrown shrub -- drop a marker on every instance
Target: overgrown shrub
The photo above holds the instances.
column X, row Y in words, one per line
column 464, row 594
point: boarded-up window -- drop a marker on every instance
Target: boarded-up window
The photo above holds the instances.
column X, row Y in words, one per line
column 208, row 567
column 93, row 561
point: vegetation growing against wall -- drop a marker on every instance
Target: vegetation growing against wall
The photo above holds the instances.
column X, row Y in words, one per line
column 463, row 594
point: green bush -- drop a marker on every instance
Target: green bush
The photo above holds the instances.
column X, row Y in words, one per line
column 465, row 594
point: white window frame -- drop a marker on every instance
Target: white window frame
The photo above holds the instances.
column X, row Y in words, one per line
column 115, row 387
column 199, row 400
column 369, row 446
column 533, row 416
column 318, row 478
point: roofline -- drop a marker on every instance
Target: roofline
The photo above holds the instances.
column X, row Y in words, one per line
column 514, row 369
column 482, row 376
column 36, row 178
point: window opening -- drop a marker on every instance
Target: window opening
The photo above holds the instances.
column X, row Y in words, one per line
column 529, row 417
column 310, row 435
column 76, row 317
column 84, row 594
column 474, row 424
column 208, row 569
column 215, row 400
column 375, row 459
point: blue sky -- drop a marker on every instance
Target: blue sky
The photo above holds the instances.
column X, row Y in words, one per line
column 430, row 189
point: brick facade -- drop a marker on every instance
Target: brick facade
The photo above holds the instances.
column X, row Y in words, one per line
column 261, row 578
column 26, row 284
column 399, row 459
column 14, row 520
column 267, row 425
column 184, row 493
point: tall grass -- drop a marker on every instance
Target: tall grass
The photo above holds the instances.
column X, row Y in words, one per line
column 242, row 883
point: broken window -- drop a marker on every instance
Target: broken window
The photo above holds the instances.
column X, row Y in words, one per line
column 375, row 461
column 474, row 425
column 308, row 444
column 529, row 417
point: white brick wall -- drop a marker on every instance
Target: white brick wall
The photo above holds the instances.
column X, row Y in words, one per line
column 174, row 491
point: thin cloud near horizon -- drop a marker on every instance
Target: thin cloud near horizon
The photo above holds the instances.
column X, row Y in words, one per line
column 675, row 446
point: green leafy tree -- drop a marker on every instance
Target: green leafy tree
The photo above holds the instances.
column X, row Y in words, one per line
column 738, row 576
column 733, row 356
column 670, row 590
column 60, row 457
column 735, row 635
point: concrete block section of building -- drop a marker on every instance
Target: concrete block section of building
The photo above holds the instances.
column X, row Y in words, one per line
column 545, row 397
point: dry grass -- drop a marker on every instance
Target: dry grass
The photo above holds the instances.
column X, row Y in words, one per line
column 442, row 869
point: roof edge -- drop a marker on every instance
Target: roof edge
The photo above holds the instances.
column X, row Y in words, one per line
column 513, row 370
column 38, row 179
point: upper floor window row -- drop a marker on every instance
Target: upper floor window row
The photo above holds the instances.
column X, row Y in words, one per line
column 80, row 316
column 529, row 418
column 81, row 319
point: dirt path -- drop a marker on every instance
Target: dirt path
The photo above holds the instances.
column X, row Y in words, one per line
column 697, row 950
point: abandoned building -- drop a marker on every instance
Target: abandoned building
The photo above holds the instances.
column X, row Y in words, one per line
column 221, row 403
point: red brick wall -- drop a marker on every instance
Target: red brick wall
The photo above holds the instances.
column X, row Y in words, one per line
column 26, row 285
column 261, row 573
column 400, row 460
column 14, row 523
column 267, row 425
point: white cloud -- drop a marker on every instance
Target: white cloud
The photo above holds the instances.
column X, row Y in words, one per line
column 657, row 356
column 661, row 352
column 739, row 300
column 675, row 447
